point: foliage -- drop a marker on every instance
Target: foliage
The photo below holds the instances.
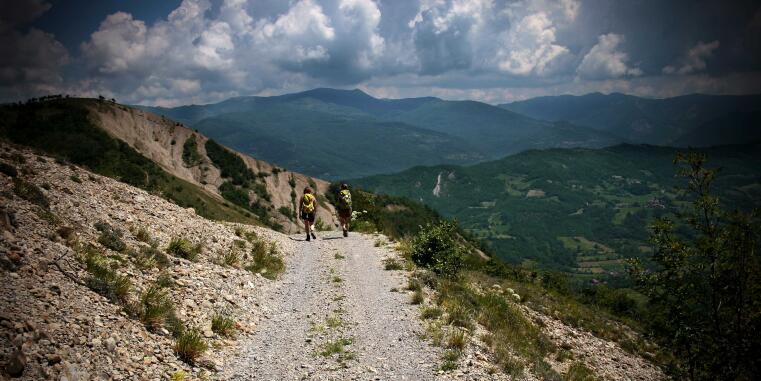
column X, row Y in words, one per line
column 395, row 217
column 104, row 279
column 110, row 237
column 266, row 260
column 190, row 345
column 593, row 213
column 705, row 294
column 30, row 192
column 190, row 155
column 222, row 324
column 183, row 248
column 155, row 306
column 230, row 164
column 436, row 247
column 579, row 372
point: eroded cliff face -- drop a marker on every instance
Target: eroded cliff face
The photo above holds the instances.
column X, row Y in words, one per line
column 162, row 140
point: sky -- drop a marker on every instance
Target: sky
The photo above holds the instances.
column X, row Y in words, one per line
column 172, row 52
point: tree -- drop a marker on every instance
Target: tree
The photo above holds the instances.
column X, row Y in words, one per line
column 705, row 293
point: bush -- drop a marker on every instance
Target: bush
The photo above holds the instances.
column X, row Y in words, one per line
column 183, row 248
column 579, row 372
column 190, row 345
column 155, row 307
column 190, row 155
column 112, row 239
column 222, row 324
column 266, row 260
column 30, row 192
column 430, row 313
column 104, row 280
column 230, row 258
column 436, row 247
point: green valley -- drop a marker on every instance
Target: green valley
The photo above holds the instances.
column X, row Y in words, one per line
column 582, row 211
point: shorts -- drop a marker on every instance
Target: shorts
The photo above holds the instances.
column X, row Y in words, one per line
column 344, row 213
column 307, row 216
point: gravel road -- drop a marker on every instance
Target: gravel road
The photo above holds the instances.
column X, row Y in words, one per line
column 335, row 291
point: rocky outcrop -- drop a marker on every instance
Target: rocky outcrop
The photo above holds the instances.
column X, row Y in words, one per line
column 53, row 326
column 162, row 140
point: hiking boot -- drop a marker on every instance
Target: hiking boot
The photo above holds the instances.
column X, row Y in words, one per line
column 314, row 236
column 346, row 233
column 308, row 238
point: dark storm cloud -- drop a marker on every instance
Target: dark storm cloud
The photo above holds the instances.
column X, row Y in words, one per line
column 494, row 50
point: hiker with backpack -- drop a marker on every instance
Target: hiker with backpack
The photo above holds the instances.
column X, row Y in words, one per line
column 344, row 208
column 307, row 209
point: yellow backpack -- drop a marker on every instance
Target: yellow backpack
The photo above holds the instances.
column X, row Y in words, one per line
column 307, row 203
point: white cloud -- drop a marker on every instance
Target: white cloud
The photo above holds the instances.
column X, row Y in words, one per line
column 529, row 46
column 694, row 60
column 604, row 60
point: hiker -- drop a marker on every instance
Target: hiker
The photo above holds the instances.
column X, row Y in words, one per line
column 344, row 208
column 307, row 209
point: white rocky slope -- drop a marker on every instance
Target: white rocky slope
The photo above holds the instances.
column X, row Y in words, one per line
column 162, row 140
column 59, row 327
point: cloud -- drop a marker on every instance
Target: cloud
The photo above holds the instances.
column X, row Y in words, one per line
column 208, row 50
column 18, row 13
column 695, row 59
column 30, row 61
column 604, row 60
column 529, row 47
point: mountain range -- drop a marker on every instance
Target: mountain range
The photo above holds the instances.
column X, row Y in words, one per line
column 697, row 119
column 347, row 133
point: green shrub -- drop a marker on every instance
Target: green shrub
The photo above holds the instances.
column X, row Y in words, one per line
column 155, row 306
column 112, row 239
column 450, row 358
column 230, row 258
column 417, row 297
column 30, row 192
column 579, row 372
column 430, row 313
column 436, row 247
column 165, row 280
column 190, row 155
column 392, row 264
column 457, row 340
column 190, row 345
column 266, row 260
column 141, row 234
column 183, row 248
column 222, row 324
column 105, row 280
column 75, row 179
column 230, row 165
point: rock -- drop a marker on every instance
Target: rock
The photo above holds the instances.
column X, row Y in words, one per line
column 111, row 344
column 53, row 358
column 16, row 364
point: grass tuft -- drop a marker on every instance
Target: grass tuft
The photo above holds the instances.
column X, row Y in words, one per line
column 579, row 372
column 183, row 248
column 266, row 260
column 223, row 325
column 155, row 307
column 190, row 345
column 105, row 280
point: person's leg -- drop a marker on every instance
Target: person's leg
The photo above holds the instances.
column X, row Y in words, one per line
column 306, row 228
